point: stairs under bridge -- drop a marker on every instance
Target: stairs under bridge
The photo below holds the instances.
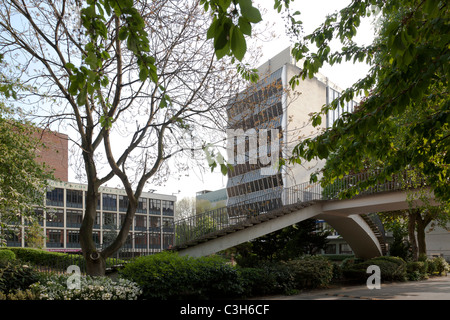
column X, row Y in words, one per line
column 353, row 219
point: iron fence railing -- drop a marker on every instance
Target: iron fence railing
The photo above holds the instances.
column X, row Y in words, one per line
column 202, row 224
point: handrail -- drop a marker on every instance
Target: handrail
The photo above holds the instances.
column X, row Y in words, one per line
column 197, row 226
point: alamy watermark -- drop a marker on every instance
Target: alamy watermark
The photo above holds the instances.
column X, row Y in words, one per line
column 374, row 281
column 263, row 146
column 74, row 281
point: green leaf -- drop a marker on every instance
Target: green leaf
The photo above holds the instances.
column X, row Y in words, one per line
column 238, row 44
column 245, row 26
column 252, row 15
column 81, row 98
column 143, row 74
column 123, row 33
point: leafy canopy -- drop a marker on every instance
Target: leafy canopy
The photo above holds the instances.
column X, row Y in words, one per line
column 403, row 120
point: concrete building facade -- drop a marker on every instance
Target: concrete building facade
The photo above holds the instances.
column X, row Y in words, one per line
column 152, row 229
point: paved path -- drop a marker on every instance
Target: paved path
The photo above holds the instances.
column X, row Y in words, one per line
column 435, row 288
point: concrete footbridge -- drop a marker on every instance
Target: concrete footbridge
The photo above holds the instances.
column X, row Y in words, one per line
column 223, row 228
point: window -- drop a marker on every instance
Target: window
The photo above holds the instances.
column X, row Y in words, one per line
column 155, row 223
column 344, row 248
column 154, row 206
column 109, row 202
column 13, row 237
column 73, row 239
column 140, row 240
column 74, row 218
column 74, row 198
column 55, row 218
column 330, row 249
column 123, row 203
column 155, row 240
column 55, row 238
column 109, row 219
column 55, row 197
column 142, row 205
column 167, row 208
column 140, row 222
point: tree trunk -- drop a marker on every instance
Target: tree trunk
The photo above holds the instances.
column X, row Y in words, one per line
column 412, row 234
column 422, row 223
column 95, row 264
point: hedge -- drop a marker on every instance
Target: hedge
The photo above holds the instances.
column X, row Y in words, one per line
column 311, row 272
column 39, row 257
column 392, row 269
column 170, row 276
column 6, row 256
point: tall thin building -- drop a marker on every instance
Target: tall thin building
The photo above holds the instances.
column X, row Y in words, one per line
column 265, row 122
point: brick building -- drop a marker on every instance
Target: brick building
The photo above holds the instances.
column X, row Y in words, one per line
column 55, row 152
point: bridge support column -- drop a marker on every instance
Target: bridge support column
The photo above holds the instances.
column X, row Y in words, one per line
column 357, row 233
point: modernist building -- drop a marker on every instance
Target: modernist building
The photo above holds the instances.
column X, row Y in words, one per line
column 152, row 229
column 266, row 121
column 283, row 114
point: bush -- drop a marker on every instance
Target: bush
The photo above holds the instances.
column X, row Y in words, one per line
column 19, row 295
column 16, row 276
column 169, row 276
column 416, row 270
column 440, row 265
column 41, row 257
column 392, row 269
column 6, row 256
column 267, row 278
column 54, row 287
column 311, row 272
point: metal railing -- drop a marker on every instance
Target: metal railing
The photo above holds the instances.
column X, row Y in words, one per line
column 212, row 221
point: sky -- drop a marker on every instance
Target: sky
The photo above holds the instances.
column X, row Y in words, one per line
column 312, row 14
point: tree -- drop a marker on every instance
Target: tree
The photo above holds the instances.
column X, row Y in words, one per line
column 409, row 76
column 289, row 243
column 107, row 69
column 23, row 179
column 185, row 208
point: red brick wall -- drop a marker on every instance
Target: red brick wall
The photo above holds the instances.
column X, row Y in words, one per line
column 55, row 154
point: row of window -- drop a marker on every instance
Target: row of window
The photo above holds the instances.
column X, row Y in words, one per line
column 110, row 202
column 243, row 168
column 268, row 182
column 55, row 239
column 258, row 97
column 251, row 120
column 73, row 219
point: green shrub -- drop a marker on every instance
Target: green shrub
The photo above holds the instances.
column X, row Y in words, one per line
column 6, row 256
column 440, row 265
column 16, row 276
column 311, row 272
column 169, row 276
column 392, row 269
column 416, row 270
column 267, row 278
column 19, row 295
